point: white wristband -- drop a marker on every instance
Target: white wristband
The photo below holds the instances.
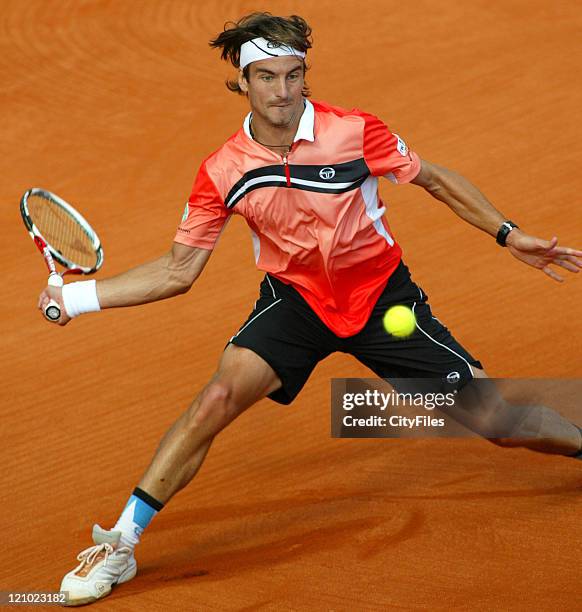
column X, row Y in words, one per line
column 81, row 297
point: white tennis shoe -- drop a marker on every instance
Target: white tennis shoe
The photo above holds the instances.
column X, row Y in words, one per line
column 101, row 567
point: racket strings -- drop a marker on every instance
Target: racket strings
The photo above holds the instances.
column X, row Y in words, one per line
column 61, row 231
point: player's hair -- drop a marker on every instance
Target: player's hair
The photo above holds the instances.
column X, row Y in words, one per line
column 292, row 31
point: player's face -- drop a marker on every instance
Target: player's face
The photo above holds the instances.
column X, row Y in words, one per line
column 274, row 89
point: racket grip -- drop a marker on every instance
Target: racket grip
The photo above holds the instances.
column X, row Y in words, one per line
column 52, row 310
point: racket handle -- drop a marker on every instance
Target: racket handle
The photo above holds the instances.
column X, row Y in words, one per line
column 52, row 310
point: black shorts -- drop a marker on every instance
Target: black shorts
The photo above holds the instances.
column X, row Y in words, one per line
column 292, row 339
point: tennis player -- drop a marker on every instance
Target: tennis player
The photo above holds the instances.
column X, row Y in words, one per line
column 304, row 175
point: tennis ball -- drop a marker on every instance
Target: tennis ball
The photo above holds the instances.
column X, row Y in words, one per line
column 399, row 321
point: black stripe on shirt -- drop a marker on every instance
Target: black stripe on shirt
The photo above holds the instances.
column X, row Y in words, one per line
column 353, row 172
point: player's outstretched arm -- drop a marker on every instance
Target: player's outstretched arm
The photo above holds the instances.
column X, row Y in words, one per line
column 169, row 275
column 470, row 204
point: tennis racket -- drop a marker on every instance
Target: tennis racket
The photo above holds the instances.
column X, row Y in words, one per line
column 63, row 235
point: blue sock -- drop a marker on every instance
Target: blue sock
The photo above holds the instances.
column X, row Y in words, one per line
column 136, row 516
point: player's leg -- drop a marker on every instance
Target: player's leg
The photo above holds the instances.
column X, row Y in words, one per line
column 532, row 426
column 272, row 355
column 432, row 352
column 242, row 379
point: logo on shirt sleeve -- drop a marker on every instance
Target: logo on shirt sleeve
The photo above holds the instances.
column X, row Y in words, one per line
column 186, row 212
column 401, row 146
column 327, row 173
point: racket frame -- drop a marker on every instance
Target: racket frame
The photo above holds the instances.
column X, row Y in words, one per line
column 49, row 252
column 52, row 310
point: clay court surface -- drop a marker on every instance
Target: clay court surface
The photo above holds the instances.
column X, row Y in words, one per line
column 113, row 105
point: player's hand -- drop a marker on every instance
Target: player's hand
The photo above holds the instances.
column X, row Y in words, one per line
column 56, row 294
column 541, row 254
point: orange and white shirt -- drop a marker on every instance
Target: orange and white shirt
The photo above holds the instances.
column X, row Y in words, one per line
column 315, row 215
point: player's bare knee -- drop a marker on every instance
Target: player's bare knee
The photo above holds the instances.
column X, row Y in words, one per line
column 218, row 391
column 214, row 408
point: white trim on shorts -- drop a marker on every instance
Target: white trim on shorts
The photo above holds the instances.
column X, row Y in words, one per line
column 256, row 317
column 270, row 285
column 440, row 344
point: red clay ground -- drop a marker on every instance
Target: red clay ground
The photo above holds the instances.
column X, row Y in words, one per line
column 113, row 105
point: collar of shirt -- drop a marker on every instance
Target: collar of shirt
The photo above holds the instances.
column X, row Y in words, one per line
column 305, row 129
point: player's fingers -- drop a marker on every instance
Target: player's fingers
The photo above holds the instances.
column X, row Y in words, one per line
column 570, row 251
column 568, row 266
column 43, row 301
column 553, row 274
column 576, row 261
column 64, row 318
column 567, row 251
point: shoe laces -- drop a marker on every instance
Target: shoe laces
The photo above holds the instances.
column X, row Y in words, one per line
column 88, row 556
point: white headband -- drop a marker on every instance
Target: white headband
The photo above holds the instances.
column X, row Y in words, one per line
column 260, row 49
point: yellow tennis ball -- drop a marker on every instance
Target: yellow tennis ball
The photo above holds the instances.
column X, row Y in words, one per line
column 399, row 321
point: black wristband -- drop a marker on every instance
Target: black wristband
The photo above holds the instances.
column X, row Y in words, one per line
column 503, row 232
